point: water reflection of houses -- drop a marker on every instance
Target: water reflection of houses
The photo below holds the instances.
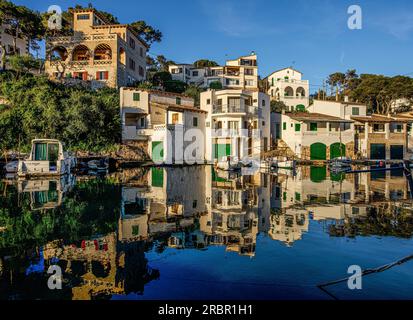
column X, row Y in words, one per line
column 233, row 215
column 167, row 201
column 46, row 193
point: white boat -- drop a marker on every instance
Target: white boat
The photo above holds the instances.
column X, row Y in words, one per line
column 47, row 158
column 11, row 167
column 98, row 165
column 229, row 163
column 287, row 164
column 341, row 162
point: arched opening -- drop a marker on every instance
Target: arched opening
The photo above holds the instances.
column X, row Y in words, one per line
column 122, row 56
column 288, row 92
column 318, row 151
column 80, row 53
column 58, row 53
column 103, row 52
column 300, row 92
column 337, row 150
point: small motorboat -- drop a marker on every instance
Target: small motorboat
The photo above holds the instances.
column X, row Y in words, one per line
column 101, row 165
column 11, row 167
column 229, row 163
column 341, row 162
column 47, row 158
column 287, row 164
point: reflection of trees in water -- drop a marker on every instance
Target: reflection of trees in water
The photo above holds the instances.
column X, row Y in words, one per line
column 92, row 207
column 387, row 219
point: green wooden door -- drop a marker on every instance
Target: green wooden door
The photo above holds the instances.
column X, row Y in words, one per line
column 318, row 151
column 157, row 151
column 221, row 150
column 337, row 150
column 318, row 174
column 377, row 151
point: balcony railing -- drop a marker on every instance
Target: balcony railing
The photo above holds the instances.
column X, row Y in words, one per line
column 295, row 97
column 253, row 110
column 79, row 38
column 302, row 82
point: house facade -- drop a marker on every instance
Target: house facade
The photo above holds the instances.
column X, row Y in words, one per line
column 98, row 52
column 240, row 73
column 287, row 85
column 165, row 124
column 237, row 123
column 316, row 136
column 7, row 42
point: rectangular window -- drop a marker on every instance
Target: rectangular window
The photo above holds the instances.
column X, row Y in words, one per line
column 195, row 73
column 355, row 111
column 141, row 71
column 83, row 17
column 178, row 100
column 132, row 43
column 249, row 72
column 284, row 125
column 313, row 126
column 263, row 103
column 398, row 128
column 195, row 121
column 208, row 101
column 102, row 75
column 136, row 96
column 298, row 127
column 141, row 51
column 175, row 118
column 132, row 64
column 233, row 125
column 142, row 122
column 378, row 127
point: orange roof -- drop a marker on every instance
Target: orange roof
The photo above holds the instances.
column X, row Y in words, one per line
column 312, row 116
column 177, row 107
column 382, row 118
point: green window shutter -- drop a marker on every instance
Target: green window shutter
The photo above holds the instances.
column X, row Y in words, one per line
column 298, row 127
column 297, row 196
column 195, row 122
column 313, row 126
column 355, row 111
column 300, row 107
column 136, row 96
column 178, row 100
column 284, row 126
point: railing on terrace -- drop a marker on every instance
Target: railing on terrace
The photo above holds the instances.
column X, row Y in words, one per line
column 295, row 97
column 303, row 82
column 235, row 109
column 79, row 38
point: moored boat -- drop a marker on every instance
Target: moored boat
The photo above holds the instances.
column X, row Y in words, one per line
column 47, row 158
column 11, row 167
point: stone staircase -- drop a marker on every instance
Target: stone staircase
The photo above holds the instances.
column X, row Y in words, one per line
column 281, row 150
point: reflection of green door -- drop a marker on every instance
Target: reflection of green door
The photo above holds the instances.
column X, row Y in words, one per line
column 157, row 151
column 377, row 151
column 157, row 177
column 318, row 174
column 337, row 150
column 396, row 152
column 221, row 150
column 318, row 151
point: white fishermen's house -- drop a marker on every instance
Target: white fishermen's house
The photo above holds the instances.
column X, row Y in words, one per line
column 287, row 85
column 237, row 123
column 315, row 136
column 163, row 124
column 378, row 137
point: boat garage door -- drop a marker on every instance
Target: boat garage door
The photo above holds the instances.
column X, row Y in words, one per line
column 318, row 151
column 337, row 150
column 396, row 152
column 377, row 151
column 221, row 150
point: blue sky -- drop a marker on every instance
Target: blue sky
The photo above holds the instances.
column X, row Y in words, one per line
column 312, row 35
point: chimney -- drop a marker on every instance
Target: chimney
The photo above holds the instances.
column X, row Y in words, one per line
column 345, row 98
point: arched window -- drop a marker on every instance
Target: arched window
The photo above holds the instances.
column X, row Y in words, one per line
column 122, row 56
column 300, row 92
column 103, row 52
column 58, row 53
column 288, row 92
column 80, row 53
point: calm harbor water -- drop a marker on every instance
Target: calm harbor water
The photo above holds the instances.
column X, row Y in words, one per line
column 194, row 233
